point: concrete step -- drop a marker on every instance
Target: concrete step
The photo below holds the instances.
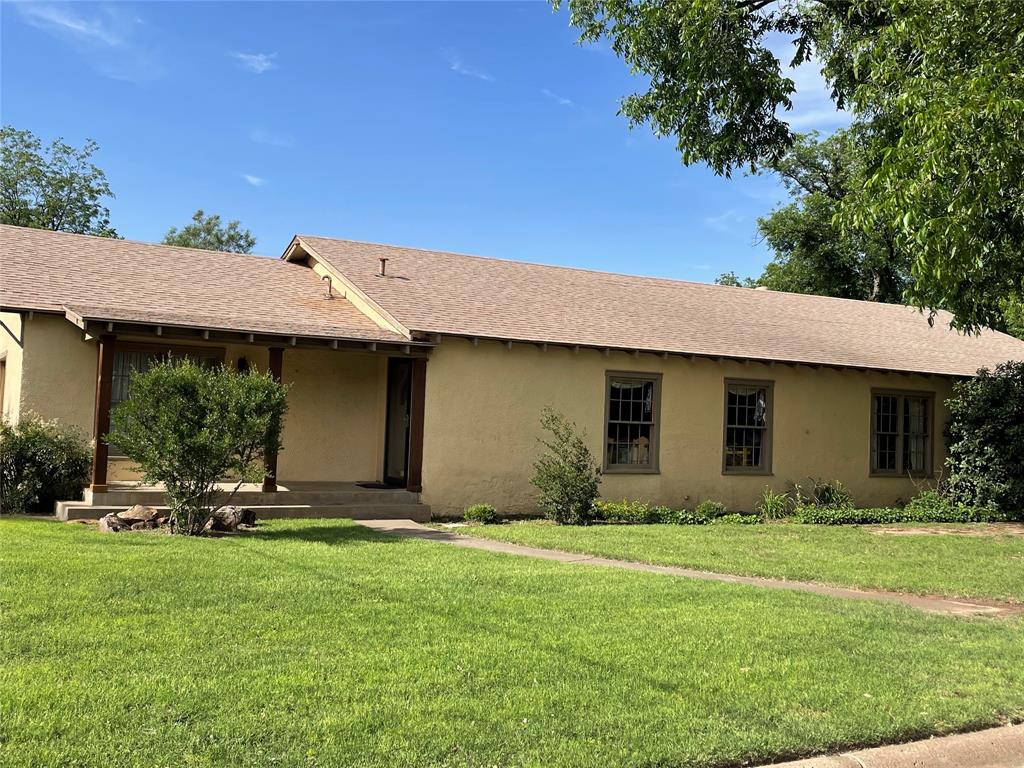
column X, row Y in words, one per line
column 81, row 510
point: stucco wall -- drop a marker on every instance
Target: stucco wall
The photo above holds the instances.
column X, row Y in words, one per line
column 483, row 405
column 11, row 353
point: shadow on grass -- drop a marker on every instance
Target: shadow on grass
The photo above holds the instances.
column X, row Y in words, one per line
column 325, row 534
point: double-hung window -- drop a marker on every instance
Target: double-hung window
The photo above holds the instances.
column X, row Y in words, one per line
column 631, row 422
column 748, row 427
column 901, row 432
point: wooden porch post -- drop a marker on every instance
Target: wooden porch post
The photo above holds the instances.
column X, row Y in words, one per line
column 101, row 415
column 414, row 477
column 276, row 367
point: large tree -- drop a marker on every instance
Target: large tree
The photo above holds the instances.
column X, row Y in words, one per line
column 937, row 89
column 209, row 234
column 812, row 253
column 57, row 187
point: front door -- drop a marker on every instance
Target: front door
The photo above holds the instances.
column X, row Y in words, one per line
column 396, row 438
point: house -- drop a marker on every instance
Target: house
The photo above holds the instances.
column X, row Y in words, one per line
column 428, row 371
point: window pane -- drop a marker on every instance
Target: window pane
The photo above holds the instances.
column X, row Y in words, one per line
column 746, row 422
column 915, row 434
column 630, row 422
column 886, row 431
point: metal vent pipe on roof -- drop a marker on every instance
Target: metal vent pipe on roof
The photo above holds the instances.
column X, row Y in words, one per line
column 383, row 266
column 328, row 295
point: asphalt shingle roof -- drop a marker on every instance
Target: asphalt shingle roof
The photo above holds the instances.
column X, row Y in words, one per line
column 448, row 293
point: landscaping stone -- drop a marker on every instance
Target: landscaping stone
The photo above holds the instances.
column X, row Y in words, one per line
column 229, row 518
column 139, row 514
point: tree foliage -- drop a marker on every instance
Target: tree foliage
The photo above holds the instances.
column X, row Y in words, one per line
column 566, row 474
column 985, row 436
column 937, row 89
column 209, row 234
column 189, row 426
column 57, row 187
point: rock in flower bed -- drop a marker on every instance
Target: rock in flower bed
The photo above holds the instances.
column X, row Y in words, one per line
column 139, row 517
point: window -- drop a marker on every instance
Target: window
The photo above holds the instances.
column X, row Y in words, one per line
column 748, row 427
column 631, row 417
column 901, row 433
column 131, row 358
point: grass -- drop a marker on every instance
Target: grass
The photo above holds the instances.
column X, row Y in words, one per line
column 953, row 566
column 319, row 643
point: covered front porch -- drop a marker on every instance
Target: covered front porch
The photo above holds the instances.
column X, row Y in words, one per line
column 352, row 437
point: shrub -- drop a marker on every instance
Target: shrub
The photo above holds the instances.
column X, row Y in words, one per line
column 889, row 515
column 735, row 518
column 566, row 474
column 830, row 494
column 985, row 436
column 41, row 462
column 773, row 506
column 711, row 509
column 684, row 517
column 188, row 426
column 480, row 513
column 627, row 512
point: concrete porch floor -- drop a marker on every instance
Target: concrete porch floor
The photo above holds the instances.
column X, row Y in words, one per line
column 292, row 499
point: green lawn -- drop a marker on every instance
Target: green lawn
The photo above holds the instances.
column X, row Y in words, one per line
column 318, row 643
column 955, row 566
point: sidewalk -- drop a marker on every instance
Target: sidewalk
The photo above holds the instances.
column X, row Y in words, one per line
column 945, row 606
column 994, row 748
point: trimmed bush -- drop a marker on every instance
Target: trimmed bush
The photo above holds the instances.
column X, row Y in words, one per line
column 480, row 513
column 566, row 474
column 627, row 512
column 684, row 517
column 711, row 509
column 985, row 435
column 888, row 515
column 41, row 462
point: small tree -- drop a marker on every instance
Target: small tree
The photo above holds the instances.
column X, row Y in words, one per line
column 189, row 427
column 566, row 474
column 986, row 439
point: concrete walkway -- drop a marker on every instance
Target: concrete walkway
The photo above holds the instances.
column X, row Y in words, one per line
column 948, row 607
column 994, row 748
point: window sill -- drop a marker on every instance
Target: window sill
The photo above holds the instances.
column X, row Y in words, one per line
column 903, row 476
column 630, row 471
column 747, row 473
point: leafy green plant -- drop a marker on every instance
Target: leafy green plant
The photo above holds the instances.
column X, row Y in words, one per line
column 773, row 506
column 41, row 462
column 566, row 474
column 827, row 494
column 888, row 515
column 480, row 513
column 188, row 426
column 985, row 436
column 683, row 517
column 711, row 509
column 627, row 512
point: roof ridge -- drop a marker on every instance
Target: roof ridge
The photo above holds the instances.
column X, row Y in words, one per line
column 131, row 241
column 608, row 273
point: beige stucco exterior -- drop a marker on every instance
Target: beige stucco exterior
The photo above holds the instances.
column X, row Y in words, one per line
column 483, row 405
column 482, row 409
column 11, row 353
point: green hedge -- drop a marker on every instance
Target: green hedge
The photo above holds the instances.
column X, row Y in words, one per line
column 634, row 512
column 885, row 515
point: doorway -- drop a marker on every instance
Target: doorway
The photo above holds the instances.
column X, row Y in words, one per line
column 396, row 435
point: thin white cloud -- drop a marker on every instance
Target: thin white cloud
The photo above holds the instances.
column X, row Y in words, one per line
column 105, row 35
column 263, row 136
column 66, row 20
column 565, row 102
column 726, row 221
column 256, row 181
column 257, row 63
column 456, row 64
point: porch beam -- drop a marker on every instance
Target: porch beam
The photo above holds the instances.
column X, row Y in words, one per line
column 270, row 460
column 101, row 412
column 417, row 407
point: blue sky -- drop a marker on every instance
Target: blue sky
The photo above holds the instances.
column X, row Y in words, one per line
column 474, row 127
